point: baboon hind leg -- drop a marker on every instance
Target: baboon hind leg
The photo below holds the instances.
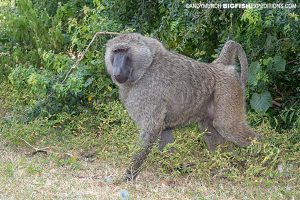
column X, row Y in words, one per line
column 229, row 113
column 211, row 135
column 166, row 137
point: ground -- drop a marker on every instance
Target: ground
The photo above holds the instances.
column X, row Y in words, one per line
column 71, row 174
column 26, row 176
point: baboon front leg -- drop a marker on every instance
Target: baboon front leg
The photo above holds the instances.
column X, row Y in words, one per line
column 149, row 137
column 149, row 114
column 230, row 115
column 166, row 137
column 211, row 135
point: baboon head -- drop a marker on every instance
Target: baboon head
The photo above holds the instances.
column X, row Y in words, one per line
column 127, row 57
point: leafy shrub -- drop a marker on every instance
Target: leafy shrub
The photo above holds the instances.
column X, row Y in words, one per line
column 44, row 45
column 42, row 40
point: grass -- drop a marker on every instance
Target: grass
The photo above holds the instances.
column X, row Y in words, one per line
column 40, row 177
column 85, row 151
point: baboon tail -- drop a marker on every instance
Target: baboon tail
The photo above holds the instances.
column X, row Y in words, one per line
column 228, row 54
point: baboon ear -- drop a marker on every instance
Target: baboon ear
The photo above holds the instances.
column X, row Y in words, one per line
column 141, row 58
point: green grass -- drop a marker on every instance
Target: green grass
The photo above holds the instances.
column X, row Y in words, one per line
column 100, row 142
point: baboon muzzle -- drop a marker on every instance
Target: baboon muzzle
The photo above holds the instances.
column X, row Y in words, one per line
column 121, row 68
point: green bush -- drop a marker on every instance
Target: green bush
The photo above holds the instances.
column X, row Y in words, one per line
column 47, row 38
column 43, row 45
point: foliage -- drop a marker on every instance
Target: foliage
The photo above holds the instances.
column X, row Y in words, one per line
column 44, row 45
column 261, row 102
column 43, row 41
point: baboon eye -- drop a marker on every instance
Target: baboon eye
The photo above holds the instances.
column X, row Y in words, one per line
column 120, row 50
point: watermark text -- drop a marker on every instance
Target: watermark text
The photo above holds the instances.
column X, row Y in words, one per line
column 242, row 5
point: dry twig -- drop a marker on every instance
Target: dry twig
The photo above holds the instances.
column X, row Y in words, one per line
column 36, row 150
column 44, row 150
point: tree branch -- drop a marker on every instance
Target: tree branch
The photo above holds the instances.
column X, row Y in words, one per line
column 86, row 49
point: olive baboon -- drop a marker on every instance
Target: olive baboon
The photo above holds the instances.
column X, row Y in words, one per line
column 163, row 90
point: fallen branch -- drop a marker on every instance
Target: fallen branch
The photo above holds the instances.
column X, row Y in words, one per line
column 36, row 150
column 86, row 49
column 44, row 150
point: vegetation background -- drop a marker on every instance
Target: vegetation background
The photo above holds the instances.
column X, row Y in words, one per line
column 40, row 40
